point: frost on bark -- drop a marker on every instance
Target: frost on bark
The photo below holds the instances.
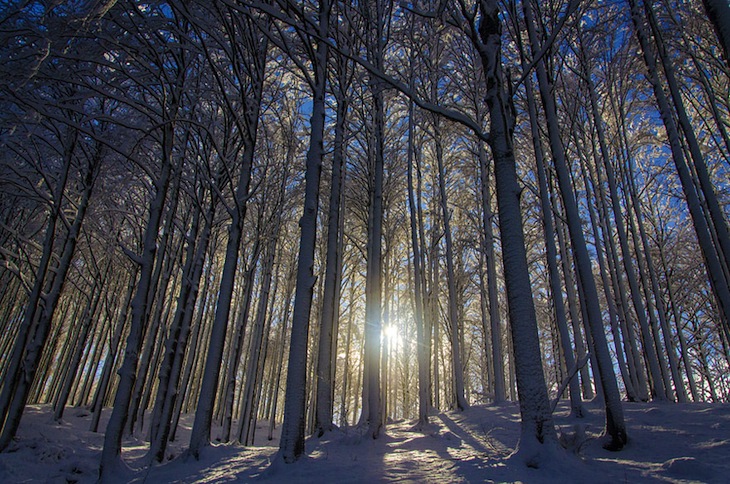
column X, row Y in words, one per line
column 551, row 254
column 111, row 461
column 421, row 333
column 457, row 369
column 176, row 345
column 537, row 430
column 375, row 20
column 326, row 356
column 495, row 320
column 32, row 339
column 615, row 425
column 291, row 446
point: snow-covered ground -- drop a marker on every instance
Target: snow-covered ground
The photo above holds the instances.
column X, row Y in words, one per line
column 668, row 443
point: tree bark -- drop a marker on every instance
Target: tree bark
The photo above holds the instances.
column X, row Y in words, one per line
column 457, row 370
column 718, row 11
column 291, row 446
column 711, row 257
column 615, row 426
column 551, row 254
column 111, row 459
column 252, row 59
column 326, row 357
column 537, row 427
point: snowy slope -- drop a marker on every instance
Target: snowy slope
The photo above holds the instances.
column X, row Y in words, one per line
column 668, row 443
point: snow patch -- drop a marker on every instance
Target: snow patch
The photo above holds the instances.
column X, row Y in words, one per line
column 668, row 443
column 687, row 468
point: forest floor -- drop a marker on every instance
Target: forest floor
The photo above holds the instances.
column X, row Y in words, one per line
column 676, row 443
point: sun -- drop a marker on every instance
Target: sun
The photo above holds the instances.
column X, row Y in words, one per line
column 392, row 334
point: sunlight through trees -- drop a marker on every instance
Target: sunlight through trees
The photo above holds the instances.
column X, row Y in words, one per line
column 329, row 215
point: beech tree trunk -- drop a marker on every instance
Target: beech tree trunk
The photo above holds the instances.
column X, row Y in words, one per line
column 537, row 428
column 326, row 357
column 551, row 253
column 421, row 334
column 713, row 263
column 176, row 345
column 718, row 11
column 251, row 60
column 652, row 352
column 615, row 425
column 495, row 320
column 454, row 324
column 111, row 457
column 291, row 446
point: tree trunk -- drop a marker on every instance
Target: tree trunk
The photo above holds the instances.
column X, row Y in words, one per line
column 169, row 374
column 73, row 365
column 200, row 435
column 326, row 357
column 537, row 428
column 457, row 370
column 711, row 257
column 605, row 279
column 37, row 339
column 652, row 352
column 495, row 321
column 615, row 426
column 291, row 446
column 256, row 350
column 111, row 459
column 551, row 254
column 718, row 11
column 11, row 377
column 235, row 347
column 421, row 355
column 111, row 355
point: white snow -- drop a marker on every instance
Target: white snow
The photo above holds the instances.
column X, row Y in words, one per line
column 676, row 443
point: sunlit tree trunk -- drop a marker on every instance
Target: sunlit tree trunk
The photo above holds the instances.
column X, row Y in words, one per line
column 376, row 22
column 418, row 293
column 280, row 351
column 634, row 360
column 607, row 283
column 571, row 292
column 652, row 352
column 434, row 315
column 457, row 370
column 683, row 346
column 495, row 320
